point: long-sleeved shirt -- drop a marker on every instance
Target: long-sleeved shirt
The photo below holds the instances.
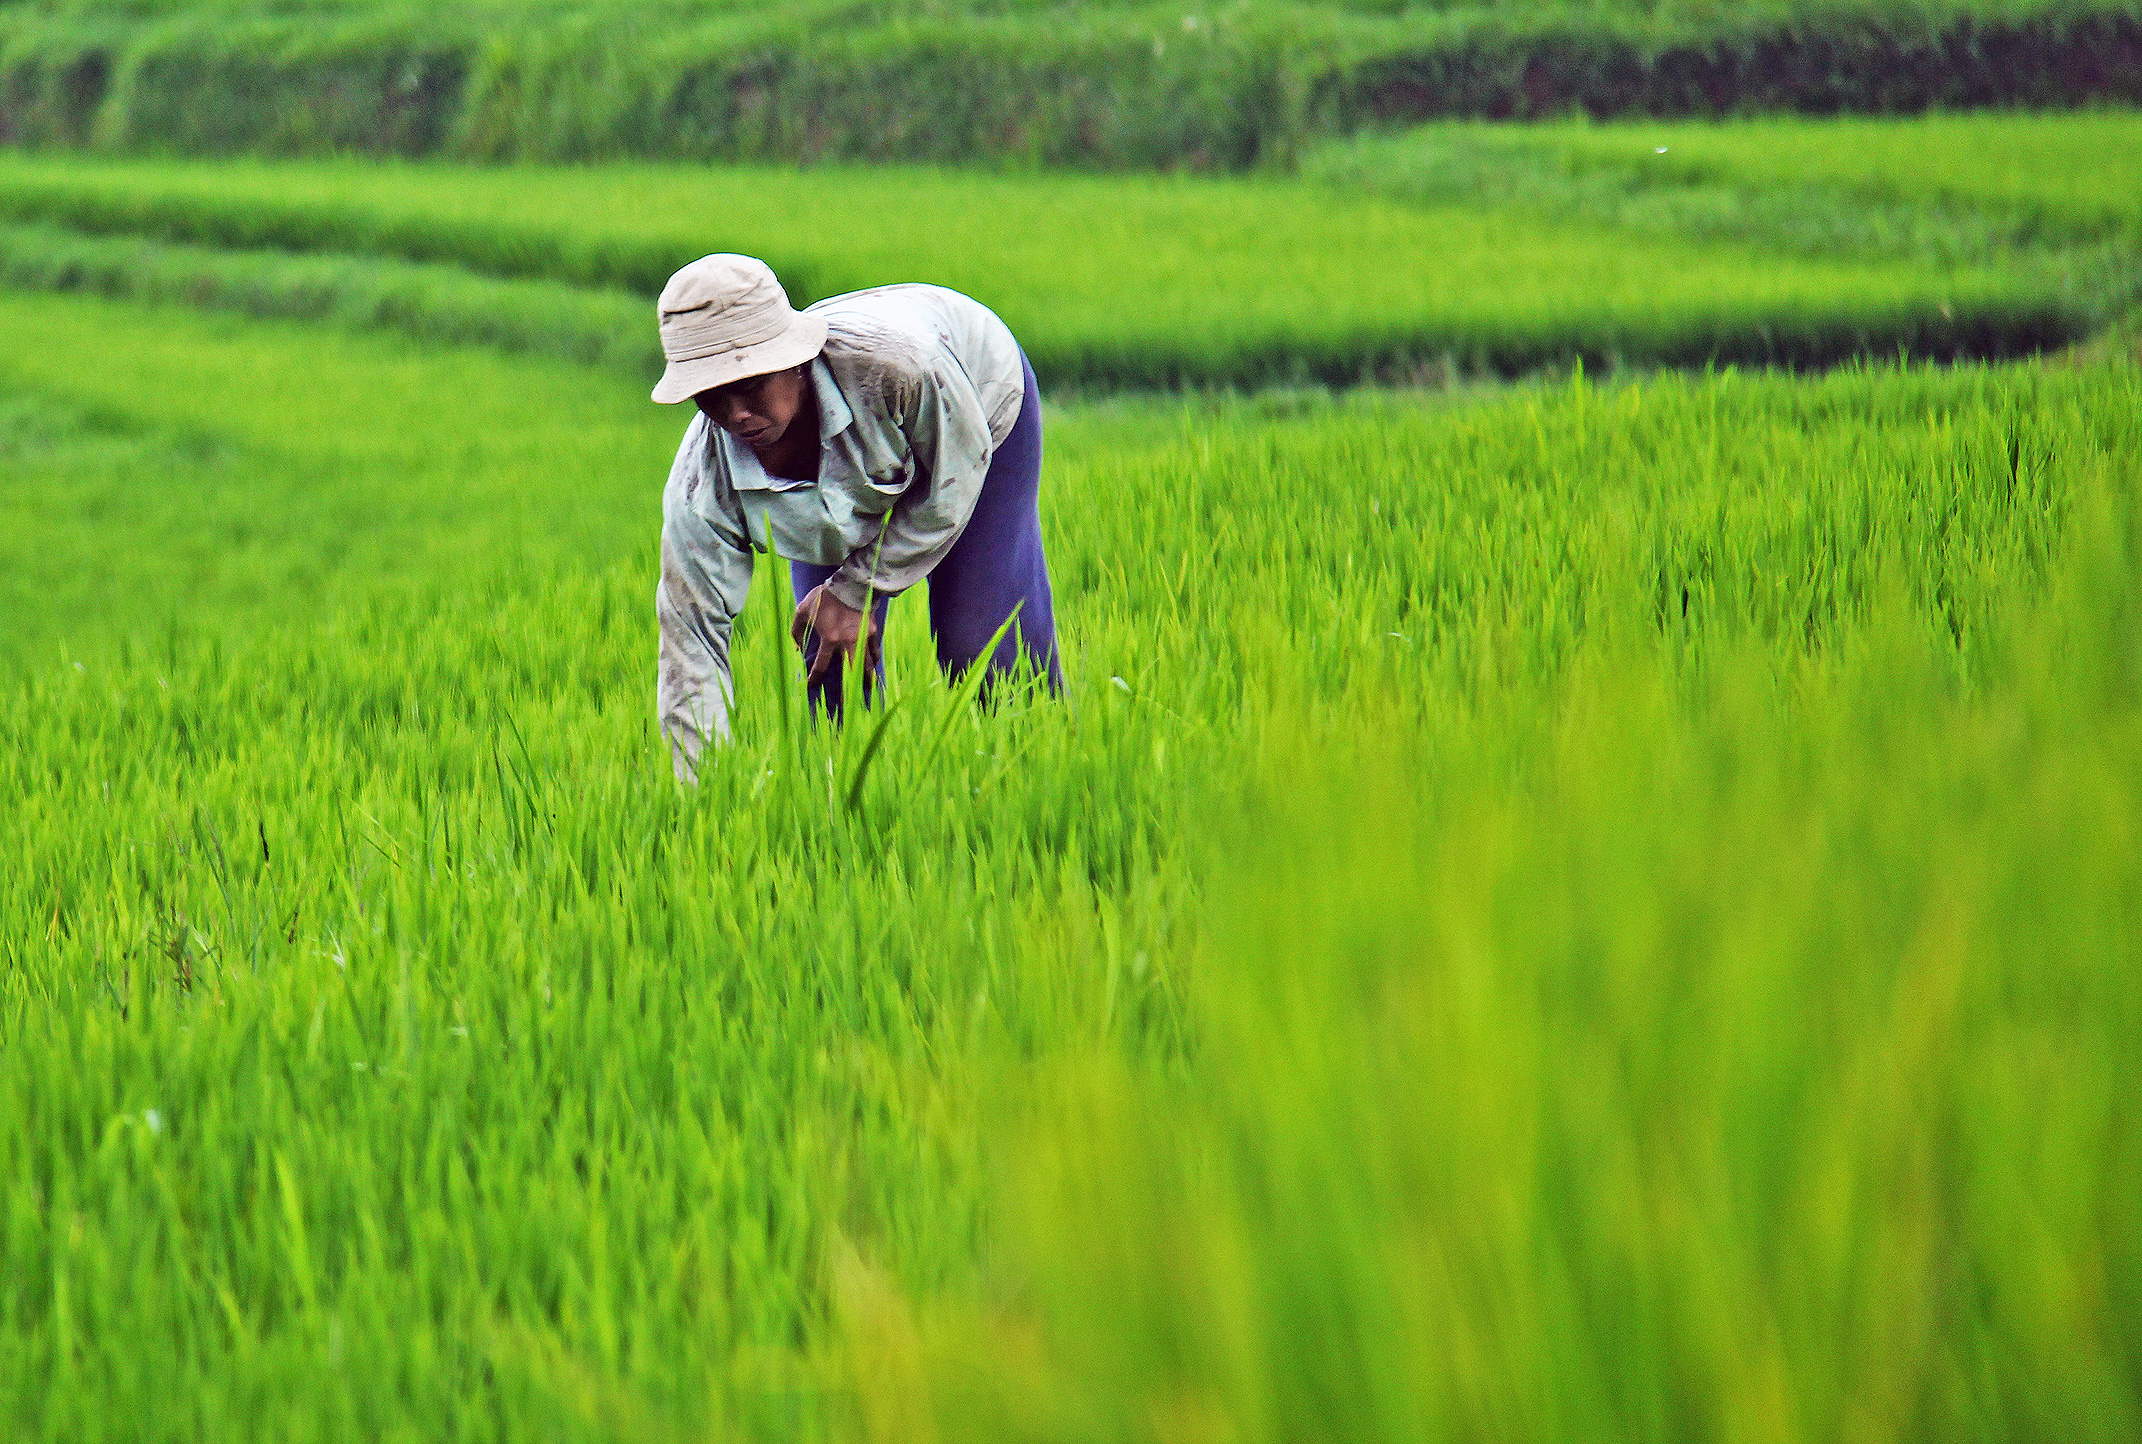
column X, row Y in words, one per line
column 916, row 388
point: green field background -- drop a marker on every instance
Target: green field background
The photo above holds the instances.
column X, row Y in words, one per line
column 1564, row 898
column 1171, row 281
column 1241, row 84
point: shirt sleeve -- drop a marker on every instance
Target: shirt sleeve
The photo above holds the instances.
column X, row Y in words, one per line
column 706, row 576
column 948, row 434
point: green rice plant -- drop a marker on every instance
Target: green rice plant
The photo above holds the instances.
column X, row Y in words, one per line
column 1602, row 910
column 2042, row 196
column 1737, row 1060
column 141, row 498
column 2075, row 175
column 434, row 303
column 1636, row 177
column 1107, row 281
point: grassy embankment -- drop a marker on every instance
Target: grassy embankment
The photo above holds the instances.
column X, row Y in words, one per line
column 1606, row 913
column 1239, row 84
column 1108, row 281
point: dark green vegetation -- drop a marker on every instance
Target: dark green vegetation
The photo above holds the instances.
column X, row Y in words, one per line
column 1605, row 912
column 1230, row 85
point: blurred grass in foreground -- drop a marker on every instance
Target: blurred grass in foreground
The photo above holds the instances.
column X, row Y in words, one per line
column 1745, row 1061
column 1605, row 913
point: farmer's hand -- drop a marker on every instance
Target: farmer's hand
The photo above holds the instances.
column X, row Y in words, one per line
column 839, row 627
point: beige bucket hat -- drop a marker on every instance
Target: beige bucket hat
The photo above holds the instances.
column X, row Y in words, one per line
column 724, row 318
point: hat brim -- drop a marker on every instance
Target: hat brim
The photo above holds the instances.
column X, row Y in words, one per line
column 802, row 341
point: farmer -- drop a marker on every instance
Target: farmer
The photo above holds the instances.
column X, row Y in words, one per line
column 874, row 439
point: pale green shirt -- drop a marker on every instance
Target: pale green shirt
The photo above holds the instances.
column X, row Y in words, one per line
column 917, row 387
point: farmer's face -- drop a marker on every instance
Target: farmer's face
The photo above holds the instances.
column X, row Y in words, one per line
column 758, row 409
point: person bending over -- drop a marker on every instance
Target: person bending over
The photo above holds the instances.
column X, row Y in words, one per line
column 872, row 440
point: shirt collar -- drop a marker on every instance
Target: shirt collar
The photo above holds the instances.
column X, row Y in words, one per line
column 834, row 416
column 743, row 461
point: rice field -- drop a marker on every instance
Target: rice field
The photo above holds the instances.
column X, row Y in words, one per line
column 2048, row 199
column 1577, row 910
column 1111, row 282
column 2077, row 171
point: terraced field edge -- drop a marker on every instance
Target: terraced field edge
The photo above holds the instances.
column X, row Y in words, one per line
column 1218, row 88
column 444, row 303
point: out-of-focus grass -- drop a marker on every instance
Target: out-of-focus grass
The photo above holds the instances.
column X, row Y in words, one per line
column 1599, row 913
column 1739, row 1060
column 2074, row 175
column 2073, row 172
column 215, row 475
column 1107, row 280
column 431, row 302
column 2050, row 197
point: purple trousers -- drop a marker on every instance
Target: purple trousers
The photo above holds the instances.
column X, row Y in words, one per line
column 995, row 567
